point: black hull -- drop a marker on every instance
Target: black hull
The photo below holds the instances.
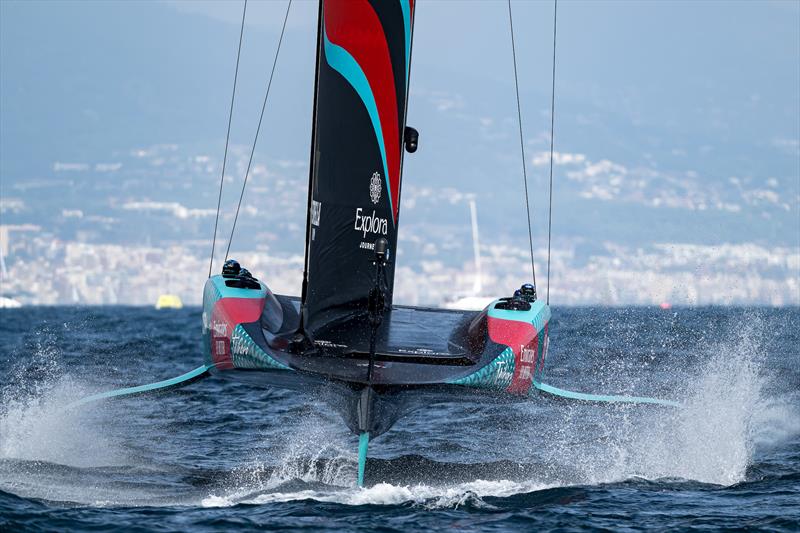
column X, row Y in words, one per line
column 423, row 356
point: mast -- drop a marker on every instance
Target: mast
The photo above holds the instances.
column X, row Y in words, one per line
column 311, row 167
column 477, row 287
column 360, row 96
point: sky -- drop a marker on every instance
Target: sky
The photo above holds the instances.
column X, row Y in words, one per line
column 676, row 122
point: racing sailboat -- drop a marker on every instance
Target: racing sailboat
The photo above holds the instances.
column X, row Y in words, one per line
column 344, row 334
column 343, row 339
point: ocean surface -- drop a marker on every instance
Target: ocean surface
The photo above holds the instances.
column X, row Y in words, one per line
column 220, row 454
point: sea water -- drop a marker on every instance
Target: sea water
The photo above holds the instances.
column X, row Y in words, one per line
column 221, row 454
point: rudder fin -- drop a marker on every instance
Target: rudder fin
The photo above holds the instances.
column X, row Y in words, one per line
column 363, row 445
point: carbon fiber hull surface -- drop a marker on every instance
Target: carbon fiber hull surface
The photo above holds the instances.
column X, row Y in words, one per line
column 423, row 355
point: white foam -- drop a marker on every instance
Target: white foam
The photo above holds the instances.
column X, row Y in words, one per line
column 728, row 413
column 216, row 501
column 35, row 426
column 712, row 439
column 428, row 496
column 319, row 451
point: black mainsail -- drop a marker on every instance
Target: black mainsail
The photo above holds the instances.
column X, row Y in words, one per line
column 363, row 64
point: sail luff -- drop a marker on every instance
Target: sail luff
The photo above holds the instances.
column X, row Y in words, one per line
column 311, row 165
column 408, row 24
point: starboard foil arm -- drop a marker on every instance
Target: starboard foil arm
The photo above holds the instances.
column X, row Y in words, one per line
column 603, row 398
column 160, row 386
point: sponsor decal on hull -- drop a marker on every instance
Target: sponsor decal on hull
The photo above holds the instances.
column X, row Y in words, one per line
column 523, row 340
column 227, row 314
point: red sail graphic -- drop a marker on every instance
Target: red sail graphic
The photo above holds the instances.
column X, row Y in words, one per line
column 355, row 179
column 354, row 25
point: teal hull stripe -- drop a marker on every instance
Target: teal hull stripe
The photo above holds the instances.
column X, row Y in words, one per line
column 496, row 375
column 572, row 395
column 345, row 64
column 223, row 291
column 538, row 315
column 184, row 379
column 247, row 354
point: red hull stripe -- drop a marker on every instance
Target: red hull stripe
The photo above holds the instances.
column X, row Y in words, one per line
column 229, row 313
column 523, row 340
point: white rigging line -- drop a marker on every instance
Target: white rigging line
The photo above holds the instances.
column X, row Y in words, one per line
column 552, row 137
column 227, row 140
column 521, row 141
column 258, row 129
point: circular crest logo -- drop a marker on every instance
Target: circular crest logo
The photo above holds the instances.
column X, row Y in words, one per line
column 375, row 188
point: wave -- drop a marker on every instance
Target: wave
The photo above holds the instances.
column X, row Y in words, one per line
column 542, row 450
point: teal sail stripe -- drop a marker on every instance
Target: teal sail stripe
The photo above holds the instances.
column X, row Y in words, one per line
column 404, row 6
column 184, row 379
column 345, row 64
column 572, row 395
